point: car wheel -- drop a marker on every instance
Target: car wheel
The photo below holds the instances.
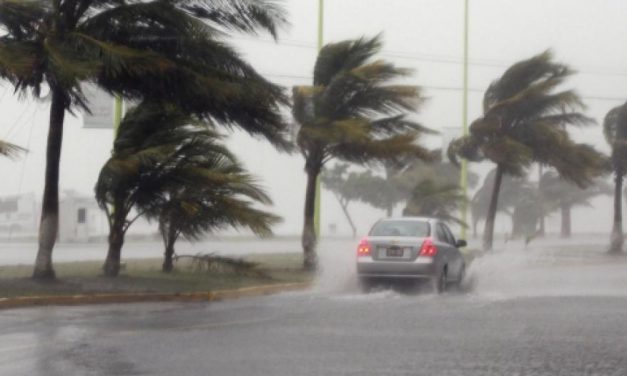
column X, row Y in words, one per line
column 439, row 282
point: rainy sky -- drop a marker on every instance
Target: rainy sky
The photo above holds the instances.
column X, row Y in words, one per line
column 425, row 35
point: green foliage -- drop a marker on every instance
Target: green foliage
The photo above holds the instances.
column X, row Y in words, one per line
column 344, row 184
column 431, row 199
column 525, row 121
column 352, row 112
column 171, row 51
column 172, row 168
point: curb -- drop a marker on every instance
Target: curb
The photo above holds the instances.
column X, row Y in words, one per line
column 207, row 296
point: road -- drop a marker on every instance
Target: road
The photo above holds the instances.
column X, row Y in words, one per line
column 514, row 316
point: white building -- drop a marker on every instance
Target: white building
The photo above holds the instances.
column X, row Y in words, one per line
column 80, row 218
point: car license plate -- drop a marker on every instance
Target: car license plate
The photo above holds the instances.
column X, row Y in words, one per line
column 394, row 252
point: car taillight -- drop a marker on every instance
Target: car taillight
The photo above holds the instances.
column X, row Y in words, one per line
column 364, row 248
column 428, row 249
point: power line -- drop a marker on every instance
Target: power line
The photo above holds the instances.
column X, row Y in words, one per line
column 439, row 87
column 430, row 58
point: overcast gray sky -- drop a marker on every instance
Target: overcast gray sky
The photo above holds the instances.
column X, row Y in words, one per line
column 425, row 35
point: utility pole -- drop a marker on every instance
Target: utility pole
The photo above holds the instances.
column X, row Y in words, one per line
column 463, row 178
column 320, row 42
column 117, row 114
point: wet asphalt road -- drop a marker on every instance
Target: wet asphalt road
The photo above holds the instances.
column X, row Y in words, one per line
column 311, row 333
column 520, row 312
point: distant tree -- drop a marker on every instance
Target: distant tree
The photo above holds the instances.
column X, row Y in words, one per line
column 559, row 194
column 10, row 150
column 167, row 166
column 345, row 187
column 525, row 121
column 431, row 199
column 168, row 50
column 399, row 182
column 615, row 130
column 353, row 112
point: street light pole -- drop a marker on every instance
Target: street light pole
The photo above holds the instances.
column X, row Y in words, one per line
column 318, row 198
column 117, row 114
column 464, row 168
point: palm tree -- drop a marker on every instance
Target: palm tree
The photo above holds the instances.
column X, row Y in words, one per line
column 615, row 130
column 168, row 166
column 435, row 200
column 524, row 121
column 354, row 113
column 167, row 50
column 10, row 150
column 211, row 192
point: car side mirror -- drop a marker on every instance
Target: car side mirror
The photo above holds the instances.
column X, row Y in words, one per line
column 461, row 243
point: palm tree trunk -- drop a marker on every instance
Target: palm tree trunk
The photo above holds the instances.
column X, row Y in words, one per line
column 389, row 211
column 111, row 267
column 616, row 244
column 310, row 259
column 488, row 233
column 542, row 227
column 566, row 221
column 168, row 255
column 49, row 223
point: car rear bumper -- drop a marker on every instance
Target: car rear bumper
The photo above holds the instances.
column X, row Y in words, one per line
column 422, row 267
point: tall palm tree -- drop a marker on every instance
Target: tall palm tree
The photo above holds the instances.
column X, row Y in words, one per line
column 167, row 50
column 524, row 121
column 353, row 112
column 10, row 150
column 436, row 200
column 615, row 130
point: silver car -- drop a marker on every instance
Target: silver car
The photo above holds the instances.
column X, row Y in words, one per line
column 410, row 248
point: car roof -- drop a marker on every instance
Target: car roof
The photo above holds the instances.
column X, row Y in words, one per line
column 417, row 219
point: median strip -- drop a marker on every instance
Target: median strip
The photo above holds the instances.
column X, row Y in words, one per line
column 83, row 299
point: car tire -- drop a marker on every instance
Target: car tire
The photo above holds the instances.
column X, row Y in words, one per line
column 439, row 282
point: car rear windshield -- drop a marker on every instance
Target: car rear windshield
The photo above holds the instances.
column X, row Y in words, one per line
column 401, row 228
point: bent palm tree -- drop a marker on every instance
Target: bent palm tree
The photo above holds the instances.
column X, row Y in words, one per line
column 525, row 121
column 353, row 113
column 615, row 130
column 217, row 193
column 166, row 50
column 170, row 167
